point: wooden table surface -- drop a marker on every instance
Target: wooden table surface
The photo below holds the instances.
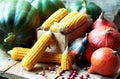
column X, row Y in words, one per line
column 11, row 69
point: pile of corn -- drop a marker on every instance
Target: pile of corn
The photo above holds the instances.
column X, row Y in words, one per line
column 64, row 22
column 29, row 57
column 60, row 21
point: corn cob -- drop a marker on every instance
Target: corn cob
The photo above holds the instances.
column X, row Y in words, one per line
column 55, row 17
column 67, row 17
column 17, row 53
column 73, row 23
column 38, row 49
column 66, row 60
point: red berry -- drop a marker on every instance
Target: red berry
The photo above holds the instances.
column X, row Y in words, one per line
column 62, row 77
column 85, row 68
column 75, row 71
column 87, row 75
column 74, row 74
column 43, row 73
column 60, row 73
column 81, row 76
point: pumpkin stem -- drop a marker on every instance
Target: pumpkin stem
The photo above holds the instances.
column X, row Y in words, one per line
column 115, row 53
column 84, row 3
column 10, row 37
column 67, row 49
column 108, row 31
column 86, row 37
column 102, row 15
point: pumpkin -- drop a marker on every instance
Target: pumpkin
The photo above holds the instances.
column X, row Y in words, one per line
column 78, row 52
column 91, row 8
column 104, row 61
column 46, row 7
column 89, row 52
column 18, row 21
column 105, row 37
column 74, row 47
column 102, row 22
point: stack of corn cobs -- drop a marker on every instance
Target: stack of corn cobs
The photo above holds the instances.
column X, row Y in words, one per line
column 60, row 21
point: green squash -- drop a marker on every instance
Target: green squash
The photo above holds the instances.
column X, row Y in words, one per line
column 46, row 7
column 91, row 8
column 76, row 6
column 18, row 21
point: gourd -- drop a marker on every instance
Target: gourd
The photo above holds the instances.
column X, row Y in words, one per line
column 104, row 61
column 105, row 37
column 46, row 7
column 18, row 21
column 90, row 7
column 79, row 52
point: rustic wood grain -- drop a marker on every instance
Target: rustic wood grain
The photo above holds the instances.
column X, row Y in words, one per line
column 5, row 61
column 12, row 70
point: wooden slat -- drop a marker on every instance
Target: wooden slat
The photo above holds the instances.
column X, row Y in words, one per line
column 19, row 71
column 5, row 61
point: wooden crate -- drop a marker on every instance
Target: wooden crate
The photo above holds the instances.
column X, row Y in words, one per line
column 60, row 41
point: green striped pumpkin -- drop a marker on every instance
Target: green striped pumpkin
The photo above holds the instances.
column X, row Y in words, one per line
column 46, row 7
column 18, row 21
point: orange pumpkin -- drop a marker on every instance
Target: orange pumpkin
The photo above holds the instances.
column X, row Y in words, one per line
column 105, row 37
column 104, row 61
column 89, row 52
column 103, row 22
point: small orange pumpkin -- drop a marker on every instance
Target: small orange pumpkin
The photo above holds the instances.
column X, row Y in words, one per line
column 103, row 22
column 105, row 37
column 104, row 61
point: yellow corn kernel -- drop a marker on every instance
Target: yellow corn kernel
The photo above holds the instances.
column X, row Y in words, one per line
column 51, row 57
column 17, row 53
column 55, row 27
column 38, row 49
column 66, row 60
column 67, row 17
column 73, row 23
column 55, row 17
